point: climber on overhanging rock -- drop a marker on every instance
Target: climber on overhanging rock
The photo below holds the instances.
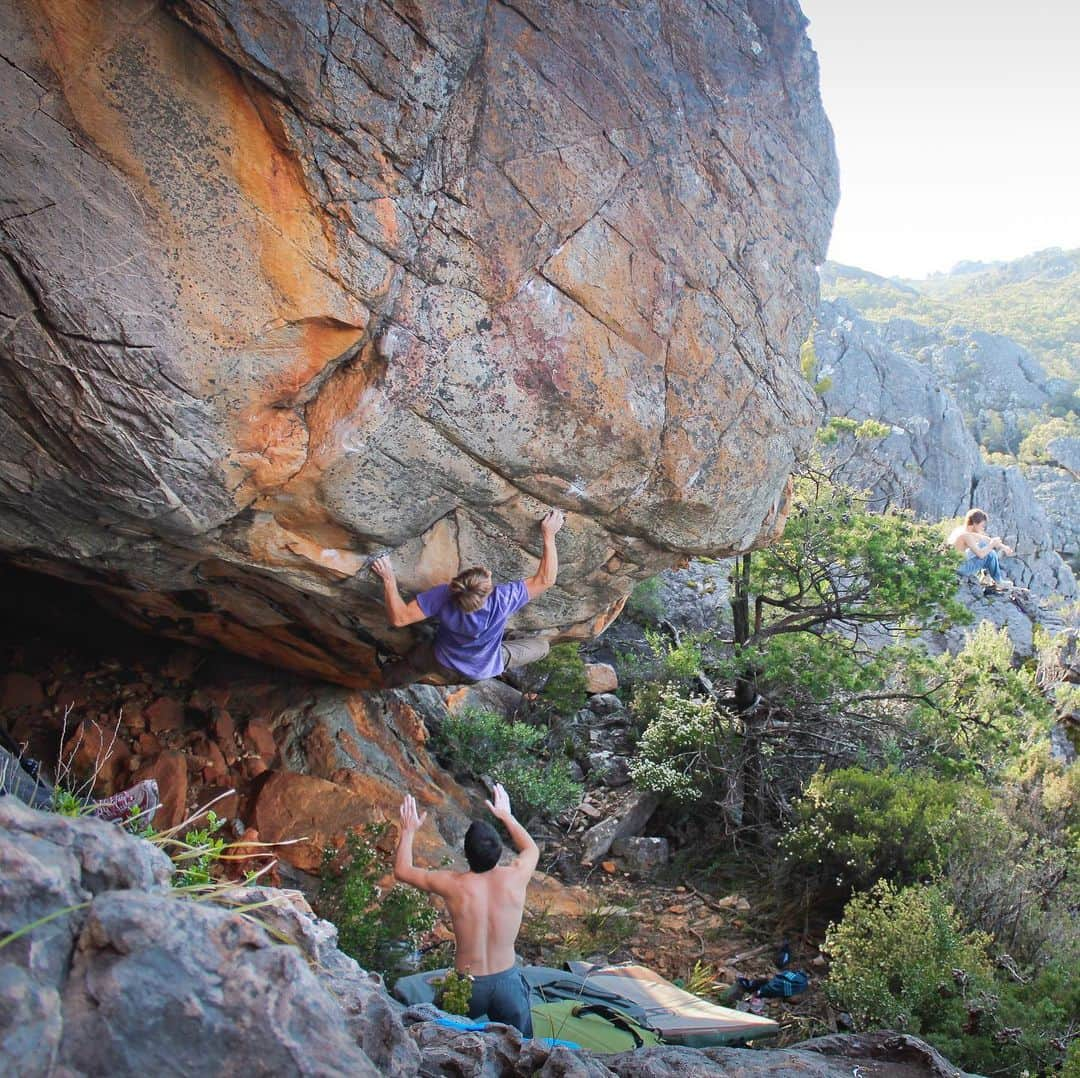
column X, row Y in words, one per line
column 469, row 644
column 980, row 550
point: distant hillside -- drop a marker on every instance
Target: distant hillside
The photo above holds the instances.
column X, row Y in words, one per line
column 1034, row 300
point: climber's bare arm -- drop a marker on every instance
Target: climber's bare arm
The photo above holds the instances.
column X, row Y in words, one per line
column 980, row 544
column 436, row 881
column 398, row 612
column 548, row 569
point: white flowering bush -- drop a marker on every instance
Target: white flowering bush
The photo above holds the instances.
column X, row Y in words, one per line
column 684, row 751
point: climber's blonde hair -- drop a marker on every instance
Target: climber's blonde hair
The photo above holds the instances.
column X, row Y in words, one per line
column 471, row 588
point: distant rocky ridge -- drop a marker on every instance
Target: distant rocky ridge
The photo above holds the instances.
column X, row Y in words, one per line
column 929, row 461
column 286, row 284
column 1004, row 381
column 126, row 978
column 997, row 382
column 1034, row 300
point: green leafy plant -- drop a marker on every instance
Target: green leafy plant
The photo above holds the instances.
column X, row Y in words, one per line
column 479, row 741
column 680, row 659
column 539, row 789
column 65, row 803
column 981, row 712
column 482, row 743
column 901, row 959
column 893, row 957
column 839, row 562
column 1071, row 1067
column 839, row 427
column 645, row 605
column 454, row 992
column 853, row 826
column 560, row 676
column 667, row 664
column 201, row 850
column 684, row 752
column 373, row 923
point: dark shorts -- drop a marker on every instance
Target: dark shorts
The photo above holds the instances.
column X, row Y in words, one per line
column 503, row 997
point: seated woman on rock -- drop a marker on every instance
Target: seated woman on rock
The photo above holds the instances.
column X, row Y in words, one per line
column 979, row 549
column 469, row 644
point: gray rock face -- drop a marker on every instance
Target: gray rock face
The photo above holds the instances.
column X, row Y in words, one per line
column 884, row 1045
column 697, row 597
column 160, row 983
column 642, row 853
column 60, row 865
column 609, row 769
column 286, row 284
column 996, row 382
column 929, row 462
column 1056, row 485
column 133, row 979
column 630, row 820
column 30, row 1024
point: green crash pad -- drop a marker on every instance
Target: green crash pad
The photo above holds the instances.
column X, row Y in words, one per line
column 595, row 1027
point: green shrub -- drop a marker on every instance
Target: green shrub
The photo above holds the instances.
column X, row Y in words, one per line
column 477, row 742
column 984, row 713
column 839, row 426
column 895, row 956
column 1033, row 449
column 668, row 665
column 454, row 992
column 482, row 743
column 373, row 923
column 901, row 959
column 200, row 850
column 538, row 790
column 65, row 803
column 644, row 605
column 561, row 675
column 679, row 661
column 853, row 827
column 1071, row 1068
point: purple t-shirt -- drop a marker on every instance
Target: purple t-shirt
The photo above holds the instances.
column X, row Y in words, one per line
column 472, row 643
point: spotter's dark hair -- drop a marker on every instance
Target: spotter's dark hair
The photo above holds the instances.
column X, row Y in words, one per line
column 483, row 847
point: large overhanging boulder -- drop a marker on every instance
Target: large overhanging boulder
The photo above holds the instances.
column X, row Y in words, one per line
column 283, row 284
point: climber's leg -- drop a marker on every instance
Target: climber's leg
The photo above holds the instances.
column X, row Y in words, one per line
column 524, row 650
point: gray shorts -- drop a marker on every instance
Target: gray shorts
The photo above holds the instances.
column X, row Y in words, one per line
column 524, row 650
column 503, row 997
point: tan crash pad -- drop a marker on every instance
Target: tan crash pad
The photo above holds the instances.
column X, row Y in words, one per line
column 678, row 1016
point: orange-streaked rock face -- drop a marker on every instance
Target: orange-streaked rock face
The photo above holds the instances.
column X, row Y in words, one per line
column 276, row 295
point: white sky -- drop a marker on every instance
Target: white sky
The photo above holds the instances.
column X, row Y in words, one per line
column 957, row 127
